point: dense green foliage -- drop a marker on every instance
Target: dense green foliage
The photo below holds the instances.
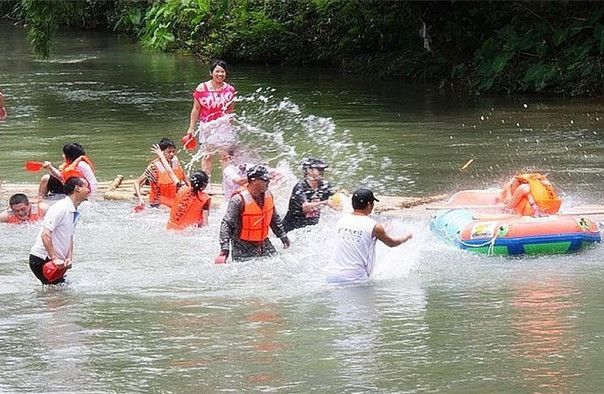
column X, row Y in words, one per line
column 519, row 46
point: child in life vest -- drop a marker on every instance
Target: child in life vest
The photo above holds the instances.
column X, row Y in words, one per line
column 75, row 164
column 191, row 206
column 164, row 175
column 531, row 194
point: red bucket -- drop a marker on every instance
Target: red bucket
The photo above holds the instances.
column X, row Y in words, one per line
column 51, row 272
column 189, row 142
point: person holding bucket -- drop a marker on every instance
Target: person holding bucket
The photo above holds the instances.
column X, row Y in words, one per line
column 212, row 105
column 52, row 253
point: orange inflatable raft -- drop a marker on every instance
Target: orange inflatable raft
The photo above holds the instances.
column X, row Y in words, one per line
column 475, row 220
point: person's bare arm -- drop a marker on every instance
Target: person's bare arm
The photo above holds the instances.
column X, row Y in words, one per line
column 379, row 231
column 194, row 116
column 157, row 150
column 137, row 188
column 50, row 249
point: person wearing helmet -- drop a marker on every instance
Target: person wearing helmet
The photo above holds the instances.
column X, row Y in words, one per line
column 309, row 195
column 249, row 216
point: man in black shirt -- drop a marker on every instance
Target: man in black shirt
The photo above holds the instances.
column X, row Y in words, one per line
column 309, row 195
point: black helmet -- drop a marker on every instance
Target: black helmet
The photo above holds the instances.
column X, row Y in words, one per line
column 313, row 162
column 258, row 172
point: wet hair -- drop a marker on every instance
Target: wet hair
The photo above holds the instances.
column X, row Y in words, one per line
column 71, row 183
column 199, row 180
column 166, row 143
column 220, row 63
column 18, row 198
column 73, row 150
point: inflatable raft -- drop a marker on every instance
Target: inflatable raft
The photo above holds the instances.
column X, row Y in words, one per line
column 484, row 227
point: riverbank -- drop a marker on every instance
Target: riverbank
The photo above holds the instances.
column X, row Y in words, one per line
column 505, row 47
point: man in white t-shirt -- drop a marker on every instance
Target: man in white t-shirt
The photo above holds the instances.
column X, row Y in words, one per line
column 52, row 252
column 354, row 256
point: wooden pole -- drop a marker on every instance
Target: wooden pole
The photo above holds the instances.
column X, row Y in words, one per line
column 449, row 208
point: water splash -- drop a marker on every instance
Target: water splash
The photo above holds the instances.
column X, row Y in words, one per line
column 282, row 133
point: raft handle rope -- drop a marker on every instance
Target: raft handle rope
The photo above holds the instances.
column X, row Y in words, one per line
column 490, row 242
column 457, row 237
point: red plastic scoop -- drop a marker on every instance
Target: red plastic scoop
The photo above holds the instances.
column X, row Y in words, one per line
column 189, row 142
column 33, row 166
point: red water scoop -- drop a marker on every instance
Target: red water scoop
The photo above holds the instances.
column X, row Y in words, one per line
column 51, row 272
column 189, row 142
column 139, row 208
column 33, row 166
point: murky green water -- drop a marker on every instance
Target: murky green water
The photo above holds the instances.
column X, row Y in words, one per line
column 147, row 310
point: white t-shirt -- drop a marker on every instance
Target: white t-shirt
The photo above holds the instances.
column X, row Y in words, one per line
column 230, row 174
column 354, row 256
column 61, row 219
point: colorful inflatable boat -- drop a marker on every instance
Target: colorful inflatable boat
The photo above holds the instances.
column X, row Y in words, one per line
column 473, row 220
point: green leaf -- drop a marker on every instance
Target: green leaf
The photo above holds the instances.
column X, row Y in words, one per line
column 560, row 36
column 534, row 73
column 500, row 62
column 595, row 17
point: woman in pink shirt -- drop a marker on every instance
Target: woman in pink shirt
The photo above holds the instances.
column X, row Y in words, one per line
column 212, row 106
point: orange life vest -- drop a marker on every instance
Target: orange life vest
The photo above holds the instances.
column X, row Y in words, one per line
column 256, row 221
column 164, row 191
column 35, row 214
column 71, row 170
column 187, row 209
column 541, row 189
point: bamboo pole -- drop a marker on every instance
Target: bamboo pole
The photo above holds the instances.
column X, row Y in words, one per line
column 421, row 201
column 116, row 182
column 512, row 216
column 445, row 207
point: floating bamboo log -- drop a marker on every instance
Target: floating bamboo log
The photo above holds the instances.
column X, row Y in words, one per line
column 120, row 189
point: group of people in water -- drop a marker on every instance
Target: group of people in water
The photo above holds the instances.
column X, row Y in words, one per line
column 250, row 213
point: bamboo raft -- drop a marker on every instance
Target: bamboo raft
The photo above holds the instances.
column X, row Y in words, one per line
column 120, row 189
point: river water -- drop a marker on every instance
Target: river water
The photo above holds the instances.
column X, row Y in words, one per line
column 146, row 310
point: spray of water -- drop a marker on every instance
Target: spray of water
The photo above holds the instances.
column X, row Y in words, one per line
column 277, row 131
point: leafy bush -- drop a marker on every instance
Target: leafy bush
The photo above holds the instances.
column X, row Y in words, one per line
column 514, row 46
